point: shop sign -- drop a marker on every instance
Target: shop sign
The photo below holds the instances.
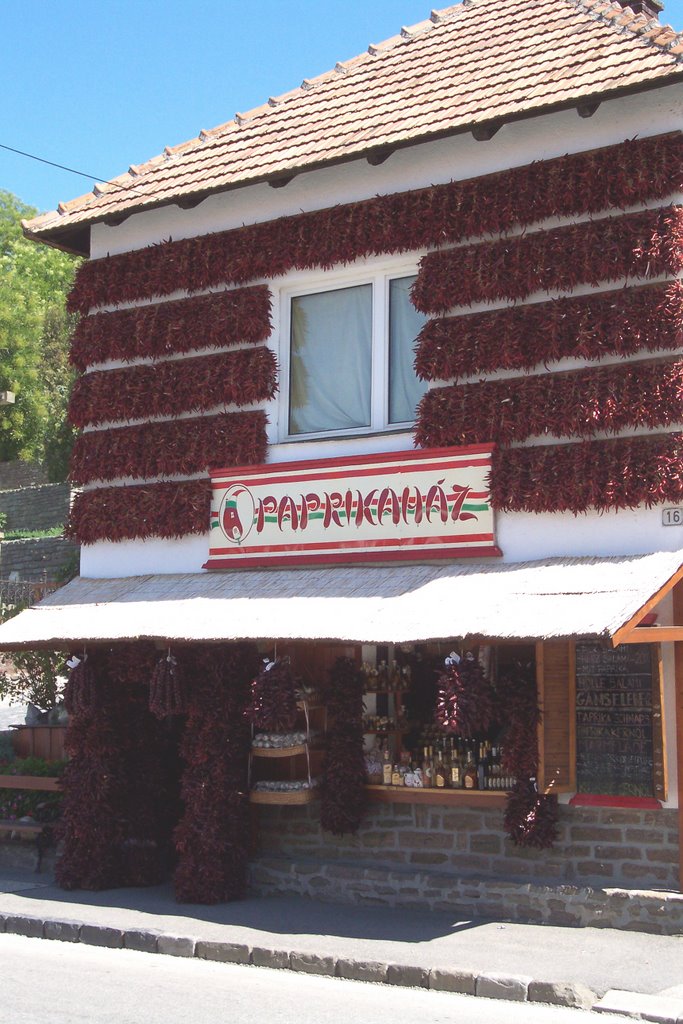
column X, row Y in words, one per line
column 433, row 503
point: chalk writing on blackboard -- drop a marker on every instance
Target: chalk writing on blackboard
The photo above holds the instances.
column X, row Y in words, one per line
column 614, row 739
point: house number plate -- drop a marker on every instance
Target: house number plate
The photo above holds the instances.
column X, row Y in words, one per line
column 672, row 516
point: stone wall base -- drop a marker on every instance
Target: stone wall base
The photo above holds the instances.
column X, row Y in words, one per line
column 659, row 912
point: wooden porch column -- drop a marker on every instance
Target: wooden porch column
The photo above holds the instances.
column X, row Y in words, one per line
column 678, row 656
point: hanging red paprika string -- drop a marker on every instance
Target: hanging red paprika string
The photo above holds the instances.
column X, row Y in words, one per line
column 80, row 692
column 167, row 694
column 464, row 703
column 530, row 816
column 343, row 795
column 272, row 705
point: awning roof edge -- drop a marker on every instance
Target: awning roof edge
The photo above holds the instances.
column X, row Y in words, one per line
column 573, row 597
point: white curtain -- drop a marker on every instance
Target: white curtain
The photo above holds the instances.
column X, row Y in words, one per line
column 331, row 360
column 405, row 323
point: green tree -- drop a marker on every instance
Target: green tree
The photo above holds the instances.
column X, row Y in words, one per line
column 34, row 338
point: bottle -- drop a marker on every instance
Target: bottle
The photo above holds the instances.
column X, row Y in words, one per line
column 386, row 768
column 427, row 768
column 440, row 773
column 470, row 779
column 396, row 777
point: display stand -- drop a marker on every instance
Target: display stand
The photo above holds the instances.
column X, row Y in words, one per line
column 289, row 753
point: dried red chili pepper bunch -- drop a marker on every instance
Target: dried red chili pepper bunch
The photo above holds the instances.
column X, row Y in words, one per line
column 80, row 692
column 272, row 706
column 615, row 323
column 531, row 818
column 343, row 796
column 167, row 690
column 616, row 177
column 205, row 321
column 170, row 447
column 464, row 702
column 212, row 838
column 518, row 701
column 114, row 830
column 145, row 510
column 579, row 403
column 621, row 473
column 591, row 252
column 174, row 386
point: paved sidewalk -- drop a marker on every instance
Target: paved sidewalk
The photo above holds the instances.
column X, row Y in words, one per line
column 572, row 966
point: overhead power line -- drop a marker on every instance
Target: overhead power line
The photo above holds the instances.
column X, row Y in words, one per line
column 71, row 170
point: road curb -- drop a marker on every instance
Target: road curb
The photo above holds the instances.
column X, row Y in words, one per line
column 475, row 983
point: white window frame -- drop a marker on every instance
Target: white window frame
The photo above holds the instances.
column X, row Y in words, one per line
column 379, row 276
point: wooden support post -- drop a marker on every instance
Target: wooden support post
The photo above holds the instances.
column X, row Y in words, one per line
column 678, row 657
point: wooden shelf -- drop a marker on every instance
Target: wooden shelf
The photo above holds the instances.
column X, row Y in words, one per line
column 295, row 796
column 415, row 795
column 43, row 783
column 300, row 748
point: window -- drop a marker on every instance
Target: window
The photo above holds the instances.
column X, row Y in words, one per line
column 350, row 358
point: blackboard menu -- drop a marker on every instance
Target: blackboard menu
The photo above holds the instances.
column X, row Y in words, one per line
column 614, row 717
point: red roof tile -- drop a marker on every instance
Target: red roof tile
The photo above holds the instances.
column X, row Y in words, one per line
column 479, row 61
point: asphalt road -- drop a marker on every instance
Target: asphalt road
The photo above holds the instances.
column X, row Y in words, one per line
column 60, row 983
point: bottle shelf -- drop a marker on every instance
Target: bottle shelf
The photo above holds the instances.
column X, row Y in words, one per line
column 416, row 795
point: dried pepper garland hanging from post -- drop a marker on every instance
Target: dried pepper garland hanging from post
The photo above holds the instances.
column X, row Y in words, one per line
column 530, row 817
column 80, row 695
column 212, row 838
column 272, row 705
column 114, row 829
column 167, row 691
column 464, row 703
column 343, row 783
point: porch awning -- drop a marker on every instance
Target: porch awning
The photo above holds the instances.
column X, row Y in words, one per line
column 551, row 599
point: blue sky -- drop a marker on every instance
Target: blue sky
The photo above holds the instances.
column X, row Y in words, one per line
column 98, row 86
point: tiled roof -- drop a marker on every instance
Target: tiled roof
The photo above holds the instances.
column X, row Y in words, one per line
column 478, row 62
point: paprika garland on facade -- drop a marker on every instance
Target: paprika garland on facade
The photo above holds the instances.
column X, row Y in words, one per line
column 170, row 447
column 174, row 386
column 217, row 320
column 615, row 177
column 579, row 403
column 615, row 323
column 644, row 244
